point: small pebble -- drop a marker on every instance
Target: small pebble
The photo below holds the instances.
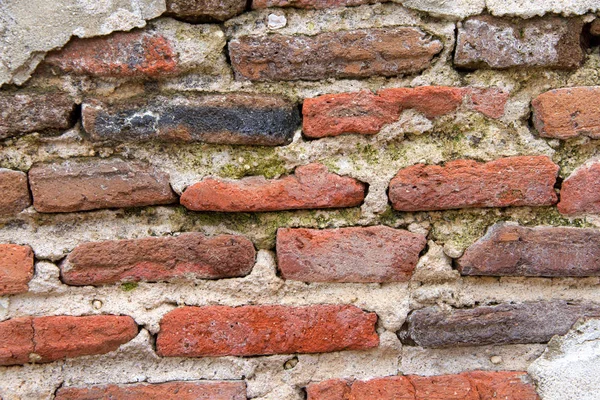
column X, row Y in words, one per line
column 97, row 304
column 276, row 21
column 496, row 359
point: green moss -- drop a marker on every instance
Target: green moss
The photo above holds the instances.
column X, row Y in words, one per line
column 129, row 286
column 255, row 161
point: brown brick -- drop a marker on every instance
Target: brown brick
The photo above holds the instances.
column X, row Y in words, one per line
column 369, row 254
column 473, row 385
column 16, row 341
column 512, row 250
column 23, row 112
column 188, row 256
column 263, row 330
column 511, row 181
column 88, row 184
column 532, row 322
column 158, row 391
column 47, row 339
column 312, row 4
column 566, row 113
column 344, row 54
column 15, row 192
column 311, row 186
column 490, row 42
column 16, row 268
column 205, row 10
column 366, row 113
column 580, row 192
column 238, row 118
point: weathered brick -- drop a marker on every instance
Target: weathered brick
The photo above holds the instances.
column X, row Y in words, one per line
column 472, row 385
column 78, row 185
column 511, row 181
column 263, row 330
column 311, row 186
column 568, row 112
column 203, row 390
column 509, row 249
column 16, row 341
column 47, row 339
column 164, row 48
column 531, row 322
column 312, row 4
column 489, row 42
column 23, row 112
column 345, row 54
column 187, row 256
column 580, row 192
column 238, row 118
column 15, row 192
column 359, row 254
column 16, row 268
column 205, row 10
column 366, row 113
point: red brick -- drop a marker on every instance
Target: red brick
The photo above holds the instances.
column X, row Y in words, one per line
column 158, row 391
column 344, row 54
column 511, row 181
column 566, row 113
column 205, row 10
column 311, row 4
column 16, row 341
column 369, row 254
column 512, row 250
column 25, row 112
column 120, row 55
column 15, row 192
column 311, row 186
column 16, row 268
column 60, row 337
column 580, row 192
column 474, row 385
column 188, row 256
column 47, row 339
column 89, row 184
column 263, row 330
column 490, row 42
column 366, row 113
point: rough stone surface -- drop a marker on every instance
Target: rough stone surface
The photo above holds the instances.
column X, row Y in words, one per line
column 567, row 113
column 569, row 367
column 311, row 186
column 159, row 391
column 205, row 10
column 367, row 113
column 262, row 330
column 188, row 256
column 369, row 254
column 15, row 192
column 474, row 385
column 16, row 268
column 344, row 54
column 580, row 192
column 78, row 185
column 239, row 118
column 24, row 44
column 489, row 42
column 311, row 4
column 531, row 322
column 163, row 49
column 595, row 27
column 528, row 9
column 511, row 181
column 23, row 112
column 47, row 339
column 541, row 251
column 458, row 9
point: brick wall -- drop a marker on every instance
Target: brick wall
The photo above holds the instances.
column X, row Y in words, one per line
column 301, row 200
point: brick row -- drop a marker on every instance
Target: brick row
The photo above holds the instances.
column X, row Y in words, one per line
column 473, row 385
column 47, row 339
